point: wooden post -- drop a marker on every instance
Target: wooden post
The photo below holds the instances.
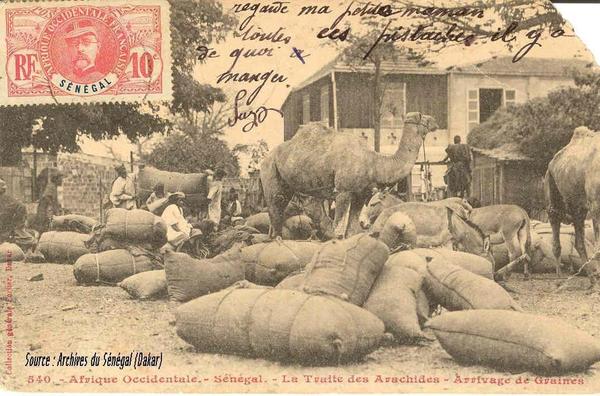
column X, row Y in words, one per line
column 101, row 192
column 131, row 160
column 334, row 98
column 34, row 196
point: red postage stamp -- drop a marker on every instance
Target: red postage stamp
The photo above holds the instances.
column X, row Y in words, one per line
column 81, row 52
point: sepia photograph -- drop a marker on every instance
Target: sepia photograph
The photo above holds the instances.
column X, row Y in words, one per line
column 298, row 196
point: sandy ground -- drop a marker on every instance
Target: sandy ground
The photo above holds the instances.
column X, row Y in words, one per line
column 55, row 315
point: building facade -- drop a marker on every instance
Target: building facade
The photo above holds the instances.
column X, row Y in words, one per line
column 460, row 97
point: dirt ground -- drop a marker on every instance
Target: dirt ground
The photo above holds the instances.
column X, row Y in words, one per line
column 55, row 315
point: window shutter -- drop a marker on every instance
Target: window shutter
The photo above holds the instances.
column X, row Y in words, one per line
column 325, row 104
column 510, row 97
column 306, row 108
column 472, row 109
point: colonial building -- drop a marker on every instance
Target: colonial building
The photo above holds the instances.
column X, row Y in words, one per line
column 459, row 97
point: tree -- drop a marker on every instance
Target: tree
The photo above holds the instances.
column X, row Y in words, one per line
column 256, row 151
column 542, row 126
column 180, row 152
column 193, row 24
column 367, row 43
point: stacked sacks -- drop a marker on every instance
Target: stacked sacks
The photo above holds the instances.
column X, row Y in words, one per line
column 115, row 265
column 456, row 289
column 297, row 227
column 259, row 221
column 269, row 263
column 62, row 246
column 293, row 281
column 134, row 226
column 188, row 278
column 347, row 268
column 74, row 223
column 399, row 232
column 393, row 299
column 146, row 285
column 418, row 264
column 515, row 341
column 471, row 262
column 283, row 325
column 10, row 252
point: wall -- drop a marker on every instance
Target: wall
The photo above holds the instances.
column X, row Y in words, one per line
column 527, row 87
column 86, row 183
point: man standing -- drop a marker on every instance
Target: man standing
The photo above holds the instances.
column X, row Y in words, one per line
column 48, row 205
column 458, row 176
column 122, row 194
column 13, row 215
column 215, row 193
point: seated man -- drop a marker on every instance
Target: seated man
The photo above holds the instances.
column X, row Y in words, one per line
column 179, row 229
column 13, row 215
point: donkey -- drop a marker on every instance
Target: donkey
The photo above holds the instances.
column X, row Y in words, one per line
column 442, row 226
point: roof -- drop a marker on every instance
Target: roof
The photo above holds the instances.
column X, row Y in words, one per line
column 402, row 65
column 506, row 152
column 529, row 66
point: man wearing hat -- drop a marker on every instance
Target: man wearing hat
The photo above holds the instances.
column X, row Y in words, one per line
column 122, row 194
column 84, row 47
column 178, row 228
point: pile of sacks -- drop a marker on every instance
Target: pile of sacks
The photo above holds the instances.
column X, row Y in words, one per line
column 127, row 244
column 304, row 318
column 67, row 239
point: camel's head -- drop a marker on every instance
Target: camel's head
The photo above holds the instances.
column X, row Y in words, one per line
column 424, row 123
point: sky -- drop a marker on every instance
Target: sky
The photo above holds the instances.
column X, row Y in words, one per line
column 316, row 52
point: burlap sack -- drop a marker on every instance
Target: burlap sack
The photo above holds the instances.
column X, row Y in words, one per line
column 515, row 341
column 346, row 268
column 12, row 252
column 194, row 185
column 74, row 223
column 260, row 221
column 135, row 226
column 399, row 231
column 297, row 227
column 188, row 278
column 471, row 262
column 284, row 325
column 249, row 258
column 457, row 289
column 293, row 281
column 393, row 299
column 63, row 247
column 409, row 259
column 113, row 266
column 146, row 285
column 280, row 258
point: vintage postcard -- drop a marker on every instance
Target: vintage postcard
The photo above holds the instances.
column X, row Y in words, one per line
column 218, row 196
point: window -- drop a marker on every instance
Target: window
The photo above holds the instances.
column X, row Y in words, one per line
column 325, row 104
column 394, row 105
column 472, row 109
column 483, row 102
column 510, row 97
column 306, row 108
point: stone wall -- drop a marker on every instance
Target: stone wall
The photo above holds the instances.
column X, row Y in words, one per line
column 86, row 183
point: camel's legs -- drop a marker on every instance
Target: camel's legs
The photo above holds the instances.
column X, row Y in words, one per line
column 343, row 202
column 556, row 249
column 579, row 224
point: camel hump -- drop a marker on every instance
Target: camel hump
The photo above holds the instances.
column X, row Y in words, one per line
column 583, row 132
column 313, row 128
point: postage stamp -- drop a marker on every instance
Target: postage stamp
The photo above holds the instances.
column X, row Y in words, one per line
column 72, row 52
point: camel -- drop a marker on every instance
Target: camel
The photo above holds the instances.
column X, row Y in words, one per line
column 572, row 187
column 510, row 224
column 386, row 199
column 325, row 164
column 440, row 226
